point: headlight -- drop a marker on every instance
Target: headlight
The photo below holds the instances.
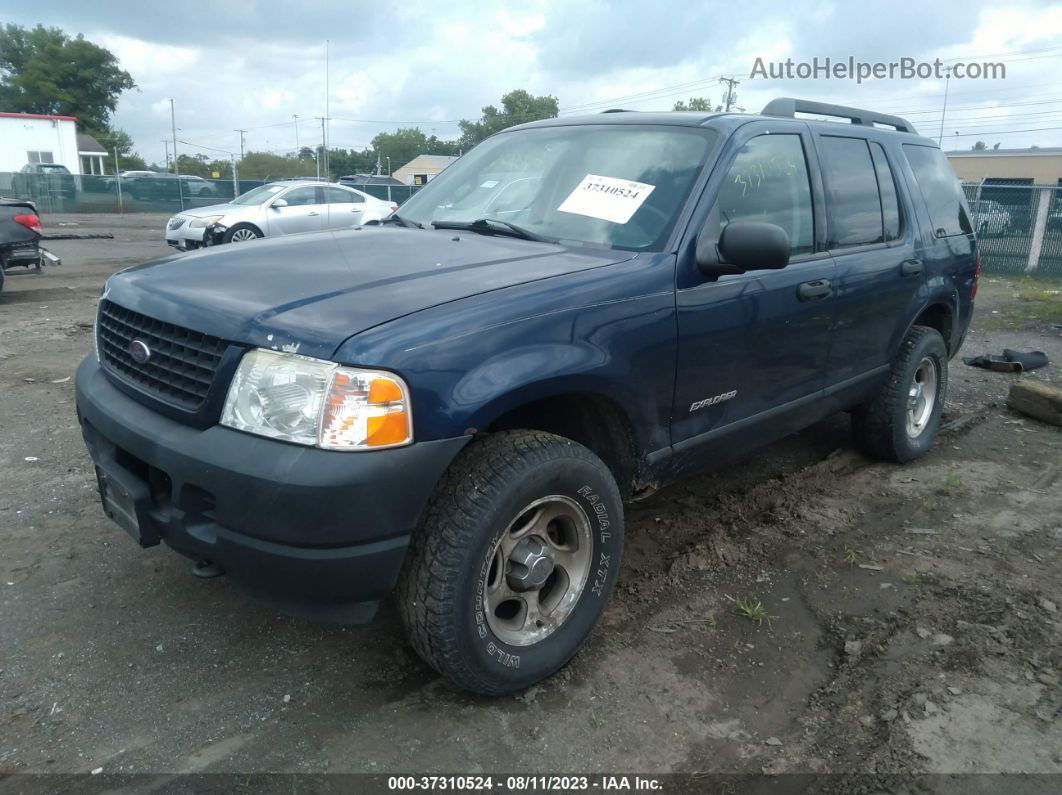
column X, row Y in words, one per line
column 199, row 223
column 314, row 402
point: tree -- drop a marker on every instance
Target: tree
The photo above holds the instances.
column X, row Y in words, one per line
column 518, row 107
column 980, row 145
column 112, row 139
column 703, row 104
column 45, row 71
column 401, row 146
column 264, row 165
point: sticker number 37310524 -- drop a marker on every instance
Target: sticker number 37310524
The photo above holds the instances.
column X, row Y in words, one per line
column 607, row 198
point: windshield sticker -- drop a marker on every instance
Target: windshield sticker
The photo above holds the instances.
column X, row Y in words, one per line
column 607, row 198
column 490, row 183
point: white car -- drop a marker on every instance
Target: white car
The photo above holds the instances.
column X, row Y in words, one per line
column 990, row 218
column 276, row 208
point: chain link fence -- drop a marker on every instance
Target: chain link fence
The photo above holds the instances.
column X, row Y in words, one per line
column 1019, row 226
column 162, row 193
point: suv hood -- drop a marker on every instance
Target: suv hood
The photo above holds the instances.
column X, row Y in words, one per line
column 309, row 293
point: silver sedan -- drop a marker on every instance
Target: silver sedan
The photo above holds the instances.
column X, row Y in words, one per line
column 276, row 208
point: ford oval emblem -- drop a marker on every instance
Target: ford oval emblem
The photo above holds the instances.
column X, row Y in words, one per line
column 139, row 350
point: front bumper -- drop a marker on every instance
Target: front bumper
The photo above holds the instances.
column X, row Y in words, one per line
column 316, row 533
column 186, row 236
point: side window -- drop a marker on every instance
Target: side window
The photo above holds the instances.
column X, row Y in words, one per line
column 300, row 197
column 852, row 201
column 340, row 196
column 768, row 181
column 940, row 189
column 890, row 200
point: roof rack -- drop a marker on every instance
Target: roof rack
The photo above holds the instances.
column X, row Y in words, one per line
column 789, row 107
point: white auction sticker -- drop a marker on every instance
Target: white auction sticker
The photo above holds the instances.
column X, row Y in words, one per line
column 607, row 198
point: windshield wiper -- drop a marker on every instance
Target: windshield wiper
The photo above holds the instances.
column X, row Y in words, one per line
column 395, row 218
column 493, row 226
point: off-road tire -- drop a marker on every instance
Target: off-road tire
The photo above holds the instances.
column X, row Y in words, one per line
column 879, row 427
column 441, row 592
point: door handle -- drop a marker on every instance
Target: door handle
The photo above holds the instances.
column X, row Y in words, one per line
column 313, row 213
column 911, row 267
column 812, row 291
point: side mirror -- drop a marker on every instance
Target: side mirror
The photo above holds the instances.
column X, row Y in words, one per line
column 278, row 203
column 744, row 246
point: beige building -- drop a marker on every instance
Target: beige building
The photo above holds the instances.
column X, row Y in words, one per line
column 1030, row 166
column 422, row 169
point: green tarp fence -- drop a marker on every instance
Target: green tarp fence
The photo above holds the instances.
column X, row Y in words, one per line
column 164, row 193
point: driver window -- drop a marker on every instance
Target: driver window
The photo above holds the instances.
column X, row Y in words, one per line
column 300, row 197
column 768, row 181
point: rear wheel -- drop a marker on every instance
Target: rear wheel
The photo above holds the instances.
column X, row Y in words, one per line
column 899, row 424
column 515, row 561
column 241, row 233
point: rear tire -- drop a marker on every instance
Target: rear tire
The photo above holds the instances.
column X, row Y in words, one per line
column 471, row 607
column 899, row 424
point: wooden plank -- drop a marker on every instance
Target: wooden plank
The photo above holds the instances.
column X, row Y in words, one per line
column 1037, row 399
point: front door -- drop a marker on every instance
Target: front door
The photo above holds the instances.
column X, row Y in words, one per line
column 301, row 213
column 753, row 347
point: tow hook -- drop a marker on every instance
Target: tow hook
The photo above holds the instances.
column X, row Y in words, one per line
column 206, row 570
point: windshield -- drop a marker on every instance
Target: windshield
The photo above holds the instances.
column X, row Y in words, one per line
column 259, row 194
column 603, row 185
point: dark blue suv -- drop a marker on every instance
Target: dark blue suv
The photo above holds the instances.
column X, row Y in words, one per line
column 457, row 402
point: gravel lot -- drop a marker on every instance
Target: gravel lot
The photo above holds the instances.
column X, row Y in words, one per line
column 915, row 613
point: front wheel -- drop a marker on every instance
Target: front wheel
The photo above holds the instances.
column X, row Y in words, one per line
column 240, row 233
column 899, row 424
column 515, row 561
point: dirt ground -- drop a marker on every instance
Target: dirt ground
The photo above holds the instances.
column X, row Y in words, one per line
column 910, row 616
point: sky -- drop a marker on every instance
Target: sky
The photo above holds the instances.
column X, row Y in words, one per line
column 256, row 64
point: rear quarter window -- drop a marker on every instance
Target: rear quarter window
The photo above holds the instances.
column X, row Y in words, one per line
column 940, row 189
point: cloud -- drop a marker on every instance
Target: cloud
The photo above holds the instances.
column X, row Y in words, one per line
column 254, row 65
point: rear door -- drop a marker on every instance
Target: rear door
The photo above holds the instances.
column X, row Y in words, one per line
column 753, row 347
column 880, row 275
column 344, row 208
column 948, row 247
column 304, row 211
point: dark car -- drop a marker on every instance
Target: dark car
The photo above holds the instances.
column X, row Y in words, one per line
column 167, row 187
column 455, row 408
column 20, row 233
column 44, row 182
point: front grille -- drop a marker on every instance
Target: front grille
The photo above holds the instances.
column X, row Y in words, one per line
column 182, row 364
column 175, row 223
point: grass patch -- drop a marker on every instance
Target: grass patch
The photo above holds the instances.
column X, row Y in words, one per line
column 752, row 609
column 1030, row 304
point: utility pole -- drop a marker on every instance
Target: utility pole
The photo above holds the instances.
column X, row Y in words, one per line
column 298, row 149
column 166, row 142
column 241, row 132
column 322, row 161
column 730, row 83
column 173, row 127
column 944, row 110
column 235, row 177
column 118, row 181
column 328, row 174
